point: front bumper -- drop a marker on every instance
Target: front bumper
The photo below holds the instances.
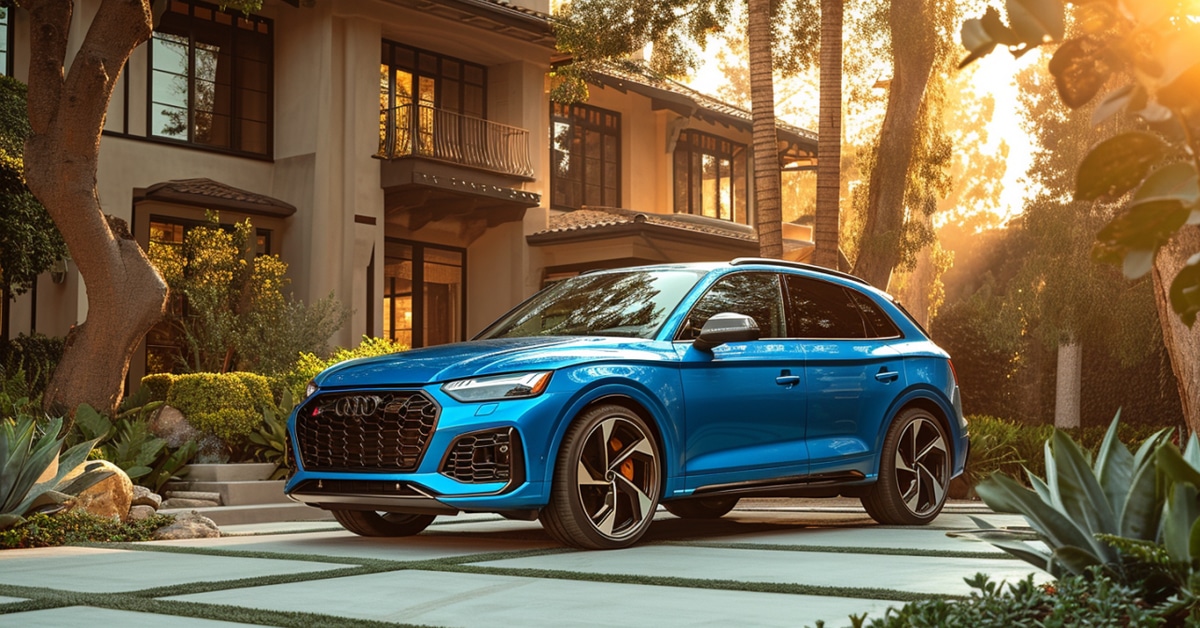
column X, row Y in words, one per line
column 430, row 487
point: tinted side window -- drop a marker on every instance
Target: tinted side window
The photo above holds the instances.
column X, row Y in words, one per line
column 818, row 309
column 756, row 295
column 878, row 323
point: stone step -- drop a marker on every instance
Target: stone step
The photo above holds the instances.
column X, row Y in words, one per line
column 257, row 513
column 241, row 472
column 244, row 493
column 194, row 493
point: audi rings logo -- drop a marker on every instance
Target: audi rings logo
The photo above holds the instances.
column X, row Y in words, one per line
column 357, row 405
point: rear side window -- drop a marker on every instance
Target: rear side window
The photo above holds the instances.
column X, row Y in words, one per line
column 878, row 323
column 819, row 309
column 756, row 295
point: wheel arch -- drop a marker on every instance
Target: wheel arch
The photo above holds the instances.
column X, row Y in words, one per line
column 929, row 400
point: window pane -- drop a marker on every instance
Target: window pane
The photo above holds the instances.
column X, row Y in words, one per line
column 397, row 294
column 443, row 301
column 169, row 121
column 753, row 294
column 877, row 321
column 253, row 136
column 819, row 309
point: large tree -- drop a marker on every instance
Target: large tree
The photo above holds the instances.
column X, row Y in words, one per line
column 67, row 107
column 1151, row 50
column 829, row 138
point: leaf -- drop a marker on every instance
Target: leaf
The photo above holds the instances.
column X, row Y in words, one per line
column 1037, row 21
column 1137, row 263
column 1114, row 101
column 1116, row 165
column 1078, row 72
column 1143, row 506
column 92, row 423
column 1178, row 519
column 1114, row 467
column 1082, row 497
column 1003, row 494
column 1185, row 291
column 1076, row 559
column 1194, row 541
column 1176, row 467
column 1146, row 226
column 1176, row 181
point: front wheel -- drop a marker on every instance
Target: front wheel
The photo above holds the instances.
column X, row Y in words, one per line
column 606, row 481
column 914, row 471
column 370, row 523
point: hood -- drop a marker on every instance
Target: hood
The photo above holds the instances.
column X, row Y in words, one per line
column 485, row 357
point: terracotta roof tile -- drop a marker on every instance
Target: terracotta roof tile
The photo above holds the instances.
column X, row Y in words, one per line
column 216, row 195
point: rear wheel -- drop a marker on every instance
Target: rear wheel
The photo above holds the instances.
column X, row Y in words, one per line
column 371, row 523
column 704, row 508
column 914, row 472
column 606, row 481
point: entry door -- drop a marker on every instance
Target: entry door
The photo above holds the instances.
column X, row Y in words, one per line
column 744, row 401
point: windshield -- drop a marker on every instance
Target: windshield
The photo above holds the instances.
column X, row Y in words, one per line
column 620, row 303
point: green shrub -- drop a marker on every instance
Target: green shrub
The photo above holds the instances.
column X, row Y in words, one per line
column 1071, row 601
column 35, row 357
column 79, row 527
column 308, row 365
column 226, row 405
column 158, row 385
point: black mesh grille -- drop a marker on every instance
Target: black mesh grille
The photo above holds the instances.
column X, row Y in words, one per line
column 481, row 457
column 385, row 431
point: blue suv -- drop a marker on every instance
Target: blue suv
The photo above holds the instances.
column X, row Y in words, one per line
column 610, row 393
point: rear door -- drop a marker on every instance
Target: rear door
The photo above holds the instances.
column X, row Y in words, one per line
column 852, row 374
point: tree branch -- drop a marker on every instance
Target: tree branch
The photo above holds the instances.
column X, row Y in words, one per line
column 49, row 27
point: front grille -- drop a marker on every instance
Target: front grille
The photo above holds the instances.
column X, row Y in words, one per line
column 385, row 431
column 482, row 456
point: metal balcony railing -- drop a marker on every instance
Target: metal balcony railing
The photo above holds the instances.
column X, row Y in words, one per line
column 414, row 130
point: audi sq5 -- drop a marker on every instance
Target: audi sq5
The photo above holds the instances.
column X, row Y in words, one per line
column 608, row 394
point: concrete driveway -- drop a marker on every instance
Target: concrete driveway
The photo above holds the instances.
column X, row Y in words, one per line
column 768, row 563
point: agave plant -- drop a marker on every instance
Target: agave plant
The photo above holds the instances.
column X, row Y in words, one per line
column 1081, row 505
column 24, row 457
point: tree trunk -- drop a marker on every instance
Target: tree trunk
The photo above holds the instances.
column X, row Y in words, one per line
column 1068, row 384
column 912, row 50
column 829, row 138
column 1183, row 343
column 126, row 295
column 768, row 213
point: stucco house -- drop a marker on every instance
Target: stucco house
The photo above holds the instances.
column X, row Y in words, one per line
column 405, row 155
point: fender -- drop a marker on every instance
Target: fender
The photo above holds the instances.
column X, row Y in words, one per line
column 607, row 383
column 925, row 392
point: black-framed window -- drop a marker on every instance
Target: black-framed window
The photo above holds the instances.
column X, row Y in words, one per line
column 413, row 83
column 424, row 293
column 585, row 157
column 211, row 79
column 710, row 177
column 6, row 41
column 819, row 309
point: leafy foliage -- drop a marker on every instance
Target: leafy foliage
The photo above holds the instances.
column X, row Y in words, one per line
column 29, row 241
column 1091, row 600
column 25, row 456
column 309, row 364
column 226, row 405
column 66, row 528
column 268, row 442
column 1151, row 48
column 35, row 356
column 230, row 307
column 126, row 441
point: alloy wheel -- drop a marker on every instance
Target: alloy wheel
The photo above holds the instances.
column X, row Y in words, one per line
column 922, row 467
column 616, row 476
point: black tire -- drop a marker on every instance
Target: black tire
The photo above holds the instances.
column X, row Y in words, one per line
column 914, row 471
column 371, row 523
column 607, row 481
column 703, row 508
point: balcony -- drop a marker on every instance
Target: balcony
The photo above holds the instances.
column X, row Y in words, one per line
column 422, row 131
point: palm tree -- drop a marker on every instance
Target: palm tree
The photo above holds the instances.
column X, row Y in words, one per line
column 829, row 139
column 767, row 210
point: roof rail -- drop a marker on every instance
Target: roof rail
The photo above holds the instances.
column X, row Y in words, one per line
column 782, row 262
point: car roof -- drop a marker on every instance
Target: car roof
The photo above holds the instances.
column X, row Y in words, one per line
column 742, row 261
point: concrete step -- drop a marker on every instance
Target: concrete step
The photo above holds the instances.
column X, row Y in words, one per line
column 241, row 472
column 195, row 493
column 257, row 513
column 244, row 493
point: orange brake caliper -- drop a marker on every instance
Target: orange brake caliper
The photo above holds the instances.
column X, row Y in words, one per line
column 627, row 466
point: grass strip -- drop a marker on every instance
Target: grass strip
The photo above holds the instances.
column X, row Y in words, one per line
column 866, row 593
column 837, row 549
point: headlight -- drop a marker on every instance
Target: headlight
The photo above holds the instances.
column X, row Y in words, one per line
column 310, row 389
column 496, row 387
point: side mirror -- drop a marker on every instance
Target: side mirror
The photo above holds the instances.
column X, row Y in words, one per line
column 726, row 327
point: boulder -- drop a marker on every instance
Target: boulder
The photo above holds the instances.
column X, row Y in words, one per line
column 170, row 425
column 191, row 525
column 110, row 497
column 139, row 512
column 143, row 496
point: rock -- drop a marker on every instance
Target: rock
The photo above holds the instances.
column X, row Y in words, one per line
column 170, row 425
column 143, row 496
column 204, row 495
column 180, row 502
column 139, row 512
column 111, row 497
column 191, row 525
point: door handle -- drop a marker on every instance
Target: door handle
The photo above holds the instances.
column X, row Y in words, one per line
column 787, row 380
column 887, row 376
